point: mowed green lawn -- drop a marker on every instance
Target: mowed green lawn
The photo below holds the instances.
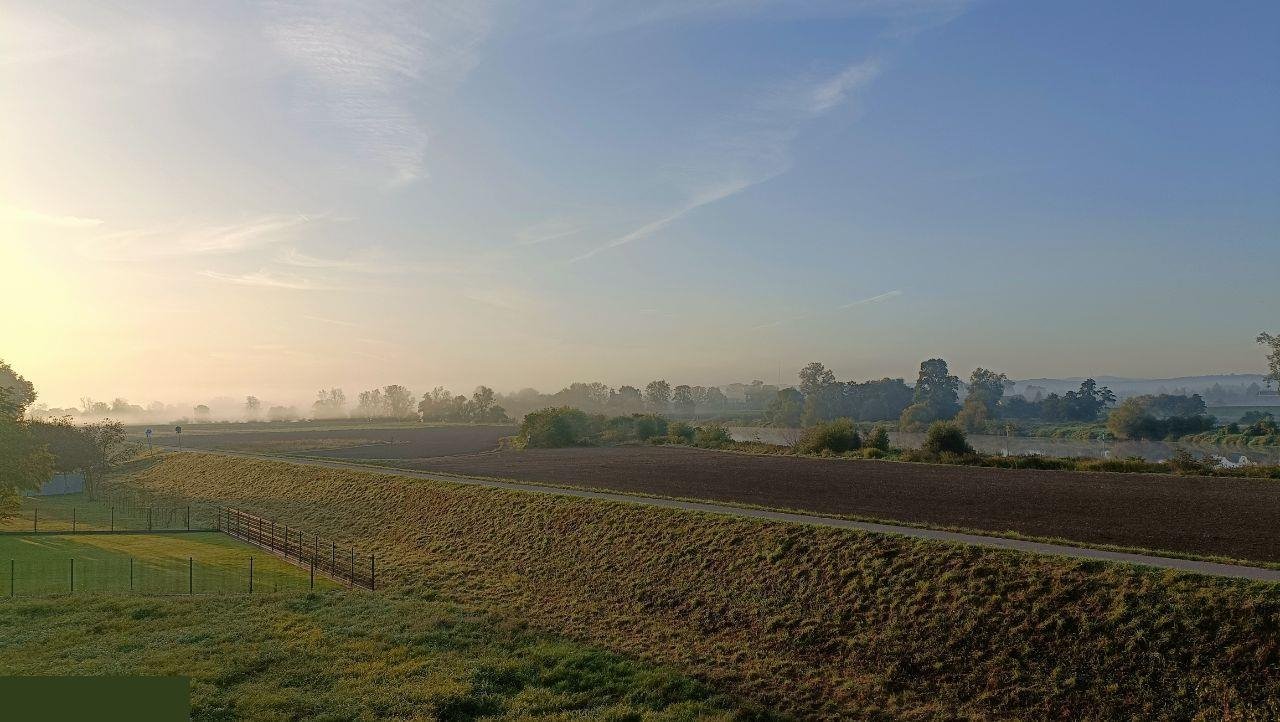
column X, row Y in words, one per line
column 199, row 563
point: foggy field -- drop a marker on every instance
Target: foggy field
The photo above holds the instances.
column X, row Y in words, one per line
column 819, row 623
column 1234, row 518
column 345, row 440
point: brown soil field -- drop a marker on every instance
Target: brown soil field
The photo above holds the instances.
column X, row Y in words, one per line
column 1236, row 518
column 820, row 623
column 374, row 443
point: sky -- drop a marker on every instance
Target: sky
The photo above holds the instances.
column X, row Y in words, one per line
column 204, row 199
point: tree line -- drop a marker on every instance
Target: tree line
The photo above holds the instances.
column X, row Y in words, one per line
column 982, row 407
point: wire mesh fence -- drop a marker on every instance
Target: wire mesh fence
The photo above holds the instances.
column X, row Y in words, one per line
column 323, row 556
column 108, row 512
column 117, row 511
column 45, row 577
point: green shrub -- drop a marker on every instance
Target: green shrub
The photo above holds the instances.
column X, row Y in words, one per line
column 618, row 430
column 945, row 437
column 679, row 432
column 835, row 437
column 555, row 427
column 878, row 439
column 648, row 426
column 915, row 417
column 713, row 436
column 1184, row 462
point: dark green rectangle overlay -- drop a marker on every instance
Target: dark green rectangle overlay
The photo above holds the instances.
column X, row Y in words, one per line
column 97, row 699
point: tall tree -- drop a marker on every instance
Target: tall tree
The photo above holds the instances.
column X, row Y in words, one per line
column 1273, row 358
column 25, row 461
column 937, row 388
column 657, row 395
column 985, row 391
column 330, row 404
column 371, row 405
column 822, row 393
column 683, row 400
column 398, row 401
column 21, row 392
column 786, row 408
column 935, row 396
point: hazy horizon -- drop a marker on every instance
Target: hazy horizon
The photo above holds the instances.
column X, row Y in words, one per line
column 269, row 199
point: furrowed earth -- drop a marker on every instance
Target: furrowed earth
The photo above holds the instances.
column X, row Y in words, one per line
column 1213, row 516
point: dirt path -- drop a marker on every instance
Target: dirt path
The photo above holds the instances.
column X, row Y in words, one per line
column 1185, row 565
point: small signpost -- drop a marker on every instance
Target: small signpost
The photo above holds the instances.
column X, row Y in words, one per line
column 148, row 441
column 177, row 430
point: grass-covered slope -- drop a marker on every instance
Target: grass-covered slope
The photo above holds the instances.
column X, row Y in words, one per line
column 343, row 656
column 818, row 622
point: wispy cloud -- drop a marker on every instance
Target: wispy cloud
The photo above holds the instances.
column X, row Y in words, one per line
column 607, row 16
column 707, row 197
column 843, row 307
column 367, row 263
column 190, row 239
column 546, row 231
column 267, row 279
column 833, row 92
column 333, row 321
column 22, row 215
column 873, row 299
column 754, row 147
column 361, row 58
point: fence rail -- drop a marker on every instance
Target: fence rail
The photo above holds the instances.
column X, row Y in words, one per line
column 322, row 556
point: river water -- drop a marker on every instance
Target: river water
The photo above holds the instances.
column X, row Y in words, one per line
column 1020, row 445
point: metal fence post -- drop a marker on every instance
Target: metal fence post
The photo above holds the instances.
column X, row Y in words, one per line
column 251, row 575
column 148, row 517
column 188, row 517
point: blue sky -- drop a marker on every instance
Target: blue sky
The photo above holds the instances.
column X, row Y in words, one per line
column 314, row 194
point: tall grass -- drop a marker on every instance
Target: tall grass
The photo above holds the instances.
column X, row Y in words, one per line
column 346, row 656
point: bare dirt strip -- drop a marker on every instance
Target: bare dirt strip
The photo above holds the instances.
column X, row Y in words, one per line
column 374, row 443
column 1236, row 518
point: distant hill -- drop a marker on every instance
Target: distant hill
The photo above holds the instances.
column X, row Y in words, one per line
column 1217, row 389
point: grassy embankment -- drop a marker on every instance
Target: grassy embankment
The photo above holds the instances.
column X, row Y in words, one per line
column 344, row 656
column 819, row 622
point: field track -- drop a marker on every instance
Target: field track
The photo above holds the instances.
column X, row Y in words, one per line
column 352, row 443
column 1204, row 516
column 1189, row 565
